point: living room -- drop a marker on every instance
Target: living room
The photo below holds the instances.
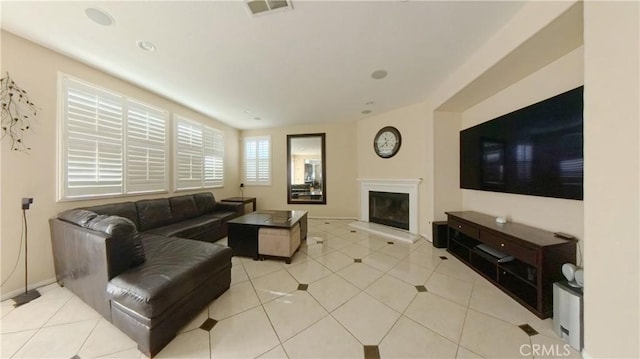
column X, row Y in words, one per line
column 524, row 62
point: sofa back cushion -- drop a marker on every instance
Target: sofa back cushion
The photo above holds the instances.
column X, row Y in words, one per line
column 124, row 234
column 80, row 217
column 153, row 213
column 205, row 202
column 127, row 210
column 183, row 207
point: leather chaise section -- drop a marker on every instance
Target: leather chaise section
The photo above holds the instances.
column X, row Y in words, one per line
column 174, row 266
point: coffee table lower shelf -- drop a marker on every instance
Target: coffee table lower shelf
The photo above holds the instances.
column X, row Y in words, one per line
column 243, row 231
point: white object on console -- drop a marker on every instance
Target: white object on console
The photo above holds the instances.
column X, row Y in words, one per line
column 569, row 271
column 501, row 220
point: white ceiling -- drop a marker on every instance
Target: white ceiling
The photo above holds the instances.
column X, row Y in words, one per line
column 306, row 65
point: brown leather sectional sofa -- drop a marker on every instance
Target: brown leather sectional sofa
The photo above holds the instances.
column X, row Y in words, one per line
column 146, row 266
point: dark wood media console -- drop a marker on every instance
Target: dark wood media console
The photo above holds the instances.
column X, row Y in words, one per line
column 538, row 257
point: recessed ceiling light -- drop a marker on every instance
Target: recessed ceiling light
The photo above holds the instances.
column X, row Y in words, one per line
column 369, row 103
column 99, row 16
column 379, row 74
column 247, row 111
column 257, row 118
column 366, row 112
column 146, row 45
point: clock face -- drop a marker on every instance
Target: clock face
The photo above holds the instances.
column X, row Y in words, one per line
column 387, row 142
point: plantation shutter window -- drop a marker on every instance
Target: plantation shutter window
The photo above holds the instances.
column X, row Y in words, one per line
column 92, row 129
column 213, row 151
column 199, row 155
column 146, row 148
column 109, row 145
column 257, row 160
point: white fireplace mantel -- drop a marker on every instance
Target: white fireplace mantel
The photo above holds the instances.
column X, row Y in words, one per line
column 409, row 186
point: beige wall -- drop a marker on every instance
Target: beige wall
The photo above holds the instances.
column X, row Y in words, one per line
column 446, row 158
column 33, row 174
column 341, row 171
column 412, row 159
column 547, row 213
column 612, row 156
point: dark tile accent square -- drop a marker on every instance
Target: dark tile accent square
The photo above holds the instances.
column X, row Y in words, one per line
column 421, row 288
column 75, row 357
column 389, row 242
column 208, row 324
column 444, row 258
column 528, row 329
column 303, row 286
column 353, row 231
column 371, row 352
column 357, row 260
column 326, row 222
column 319, row 242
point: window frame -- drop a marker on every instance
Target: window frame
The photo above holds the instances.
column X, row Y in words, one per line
column 65, row 192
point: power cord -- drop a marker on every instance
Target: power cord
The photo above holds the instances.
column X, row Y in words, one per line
column 15, row 266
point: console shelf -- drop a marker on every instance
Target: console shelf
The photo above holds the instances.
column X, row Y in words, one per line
column 538, row 257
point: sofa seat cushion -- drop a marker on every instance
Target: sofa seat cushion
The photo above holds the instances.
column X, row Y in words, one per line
column 223, row 215
column 174, row 268
column 190, row 228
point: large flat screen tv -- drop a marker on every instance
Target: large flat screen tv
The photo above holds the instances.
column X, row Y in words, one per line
column 537, row 150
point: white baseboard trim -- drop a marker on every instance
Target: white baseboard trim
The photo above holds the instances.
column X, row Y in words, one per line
column 13, row 293
column 386, row 231
column 329, row 218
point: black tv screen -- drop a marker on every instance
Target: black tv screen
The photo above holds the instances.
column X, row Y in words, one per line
column 537, row 150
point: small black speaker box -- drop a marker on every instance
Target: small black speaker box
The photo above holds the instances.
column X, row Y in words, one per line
column 439, row 234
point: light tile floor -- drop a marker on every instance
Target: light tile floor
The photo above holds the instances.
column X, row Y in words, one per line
column 346, row 295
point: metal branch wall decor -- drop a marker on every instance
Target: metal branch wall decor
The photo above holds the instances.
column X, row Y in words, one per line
column 17, row 111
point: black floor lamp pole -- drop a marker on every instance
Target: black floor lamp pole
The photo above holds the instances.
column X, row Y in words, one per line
column 28, row 295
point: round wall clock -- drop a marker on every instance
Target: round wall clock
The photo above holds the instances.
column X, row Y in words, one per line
column 387, row 142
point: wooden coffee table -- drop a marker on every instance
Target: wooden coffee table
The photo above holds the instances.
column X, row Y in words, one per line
column 243, row 230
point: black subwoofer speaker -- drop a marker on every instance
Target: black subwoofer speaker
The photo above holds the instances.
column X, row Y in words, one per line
column 439, row 234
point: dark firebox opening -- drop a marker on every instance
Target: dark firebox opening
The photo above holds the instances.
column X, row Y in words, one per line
column 390, row 209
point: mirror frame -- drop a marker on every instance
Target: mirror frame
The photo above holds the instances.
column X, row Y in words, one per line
column 323, row 200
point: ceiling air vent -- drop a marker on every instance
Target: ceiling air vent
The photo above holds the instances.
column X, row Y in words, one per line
column 258, row 7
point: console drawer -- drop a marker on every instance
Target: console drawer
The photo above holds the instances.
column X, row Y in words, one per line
column 465, row 228
column 525, row 254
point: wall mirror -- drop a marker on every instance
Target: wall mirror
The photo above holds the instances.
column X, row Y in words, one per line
column 306, row 169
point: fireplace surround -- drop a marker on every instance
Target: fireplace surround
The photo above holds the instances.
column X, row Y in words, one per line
column 406, row 186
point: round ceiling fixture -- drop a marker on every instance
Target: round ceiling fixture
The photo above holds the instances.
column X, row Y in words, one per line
column 369, row 103
column 379, row 74
column 257, row 118
column 98, row 16
column 146, row 45
column 366, row 112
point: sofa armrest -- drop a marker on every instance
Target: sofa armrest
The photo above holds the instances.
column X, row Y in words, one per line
column 81, row 259
column 230, row 206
